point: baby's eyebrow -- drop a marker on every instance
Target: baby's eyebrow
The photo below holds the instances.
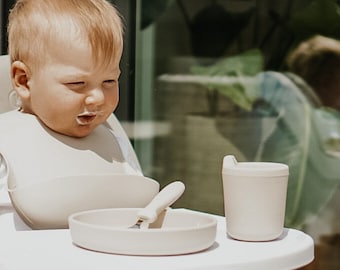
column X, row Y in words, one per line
column 74, row 76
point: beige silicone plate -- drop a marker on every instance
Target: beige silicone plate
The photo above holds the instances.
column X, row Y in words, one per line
column 177, row 231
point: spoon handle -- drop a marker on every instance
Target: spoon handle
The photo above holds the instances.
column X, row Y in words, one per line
column 166, row 197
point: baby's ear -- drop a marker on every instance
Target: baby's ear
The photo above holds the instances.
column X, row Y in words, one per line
column 20, row 77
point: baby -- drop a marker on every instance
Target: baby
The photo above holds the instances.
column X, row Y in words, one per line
column 65, row 59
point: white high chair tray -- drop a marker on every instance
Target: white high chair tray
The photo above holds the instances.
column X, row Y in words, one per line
column 53, row 249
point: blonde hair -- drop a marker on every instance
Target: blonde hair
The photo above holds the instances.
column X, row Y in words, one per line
column 33, row 24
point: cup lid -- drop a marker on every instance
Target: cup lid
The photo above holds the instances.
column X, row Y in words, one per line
column 264, row 169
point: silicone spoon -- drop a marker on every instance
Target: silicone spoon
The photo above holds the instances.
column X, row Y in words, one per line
column 166, row 197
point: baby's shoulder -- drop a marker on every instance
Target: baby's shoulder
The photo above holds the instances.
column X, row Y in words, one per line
column 15, row 120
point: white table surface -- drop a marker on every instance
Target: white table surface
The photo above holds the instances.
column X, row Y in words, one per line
column 53, row 249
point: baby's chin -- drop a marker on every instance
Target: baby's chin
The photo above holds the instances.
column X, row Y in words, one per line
column 78, row 131
column 82, row 131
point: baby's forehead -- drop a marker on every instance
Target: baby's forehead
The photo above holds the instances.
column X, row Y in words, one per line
column 70, row 35
column 73, row 50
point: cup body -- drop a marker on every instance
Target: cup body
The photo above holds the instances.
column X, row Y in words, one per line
column 255, row 200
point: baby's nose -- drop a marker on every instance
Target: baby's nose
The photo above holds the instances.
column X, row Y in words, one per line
column 95, row 96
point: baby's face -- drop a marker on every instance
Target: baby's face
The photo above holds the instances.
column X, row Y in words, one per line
column 71, row 94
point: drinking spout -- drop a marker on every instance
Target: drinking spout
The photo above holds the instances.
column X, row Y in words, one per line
column 229, row 161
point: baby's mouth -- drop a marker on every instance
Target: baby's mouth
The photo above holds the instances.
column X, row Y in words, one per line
column 86, row 118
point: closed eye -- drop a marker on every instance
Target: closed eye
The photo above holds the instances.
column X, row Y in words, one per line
column 77, row 85
column 109, row 83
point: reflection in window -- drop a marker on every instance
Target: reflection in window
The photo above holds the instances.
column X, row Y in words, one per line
column 212, row 77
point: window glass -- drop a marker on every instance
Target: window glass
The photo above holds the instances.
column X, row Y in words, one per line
column 213, row 78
